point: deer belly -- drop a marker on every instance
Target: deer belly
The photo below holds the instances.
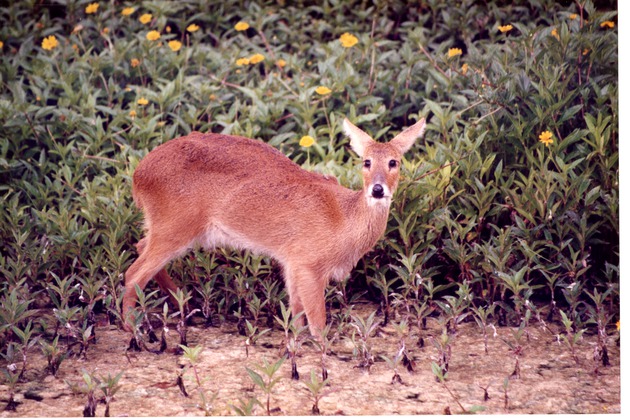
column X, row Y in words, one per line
column 222, row 237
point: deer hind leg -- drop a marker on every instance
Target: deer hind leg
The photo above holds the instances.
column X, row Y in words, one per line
column 164, row 281
column 154, row 255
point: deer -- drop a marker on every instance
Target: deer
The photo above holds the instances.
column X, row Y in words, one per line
column 216, row 190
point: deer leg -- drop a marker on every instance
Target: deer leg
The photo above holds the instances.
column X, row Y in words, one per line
column 164, row 281
column 155, row 254
column 310, row 290
column 294, row 298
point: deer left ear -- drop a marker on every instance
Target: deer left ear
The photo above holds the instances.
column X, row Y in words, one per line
column 407, row 138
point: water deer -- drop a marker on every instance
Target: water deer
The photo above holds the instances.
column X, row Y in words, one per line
column 215, row 190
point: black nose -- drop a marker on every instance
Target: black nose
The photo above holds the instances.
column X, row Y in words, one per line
column 377, row 191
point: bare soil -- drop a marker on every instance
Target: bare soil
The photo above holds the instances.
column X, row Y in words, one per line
column 551, row 381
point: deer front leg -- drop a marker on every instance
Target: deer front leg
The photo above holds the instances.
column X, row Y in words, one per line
column 310, row 292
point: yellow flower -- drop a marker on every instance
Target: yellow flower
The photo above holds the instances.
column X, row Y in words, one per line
column 464, row 68
column 192, row 27
column 167, row 29
column 105, row 31
column 132, row 113
column 135, row 62
column 573, row 16
column 256, row 58
column 452, row 52
column 153, row 35
column 174, row 45
column 554, row 33
column 618, row 324
column 50, row 42
column 241, row 26
column 505, row 28
column 307, row 141
column 609, row 23
column 142, row 102
column 91, row 8
column 546, row 138
column 128, row 11
column 280, row 63
column 146, row 18
column 1, row 44
column 323, row 90
column 242, row 61
column 586, row 51
column 348, row 40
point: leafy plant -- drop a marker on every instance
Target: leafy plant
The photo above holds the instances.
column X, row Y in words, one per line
column 317, row 390
column 264, row 378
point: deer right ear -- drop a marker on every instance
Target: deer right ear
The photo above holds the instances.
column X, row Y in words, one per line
column 359, row 139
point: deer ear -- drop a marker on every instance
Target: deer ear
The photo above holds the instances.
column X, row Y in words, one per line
column 359, row 139
column 407, row 138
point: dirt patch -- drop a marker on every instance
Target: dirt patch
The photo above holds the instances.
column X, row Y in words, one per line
column 550, row 380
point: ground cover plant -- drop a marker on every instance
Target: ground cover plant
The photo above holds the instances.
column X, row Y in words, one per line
column 499, row 270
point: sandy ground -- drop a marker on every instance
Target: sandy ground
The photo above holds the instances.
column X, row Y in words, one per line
column 550, row 379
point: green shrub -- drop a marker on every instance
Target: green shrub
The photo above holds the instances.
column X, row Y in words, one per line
column 513, row 193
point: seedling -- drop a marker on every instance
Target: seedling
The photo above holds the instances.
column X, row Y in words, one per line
column 253, row 335
column 481, row 316
column 363, row 348
column 455, row 309
column 54, row 355
column 292, row 336
column 163, row 317
column 324, row 344
column 89, row 388
column 245, row 408
column 440, row 377
column 209, row 293
column 570, row 338
column 274, row 293
column 516, row 345
column 146, row 304
column 109, row 386
column 600, row 317
column 134, row 322
column 27, row 341
column 12, row 377
column 384, row 286
column 443, row 346
column 90, row 293
column 265, row 379
column 317, row 389
column 393, row 364
column 182, row 297
column 192, row 356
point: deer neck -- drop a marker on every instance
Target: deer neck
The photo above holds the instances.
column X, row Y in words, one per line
column 368, row 221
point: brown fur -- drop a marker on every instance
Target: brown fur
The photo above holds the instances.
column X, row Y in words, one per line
column 216, row 190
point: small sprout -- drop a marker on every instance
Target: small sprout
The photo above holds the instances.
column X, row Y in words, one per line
column 267, row 382
column 317, row 390
column 245, row 408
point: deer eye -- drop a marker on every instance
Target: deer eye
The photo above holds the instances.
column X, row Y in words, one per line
column 393, row 163
column 367, row 163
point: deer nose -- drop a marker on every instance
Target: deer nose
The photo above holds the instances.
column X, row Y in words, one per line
column 378, row 191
